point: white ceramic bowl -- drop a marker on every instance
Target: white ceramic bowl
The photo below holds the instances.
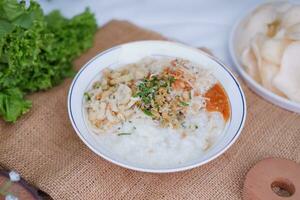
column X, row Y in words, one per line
column 256, row 87
column 132, row 52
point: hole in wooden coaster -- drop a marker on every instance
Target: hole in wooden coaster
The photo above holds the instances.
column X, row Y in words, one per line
column 283, row 187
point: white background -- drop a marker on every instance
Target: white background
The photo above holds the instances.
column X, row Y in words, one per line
column 195, row 22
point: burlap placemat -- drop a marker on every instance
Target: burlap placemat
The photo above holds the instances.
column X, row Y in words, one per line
column 44, row 148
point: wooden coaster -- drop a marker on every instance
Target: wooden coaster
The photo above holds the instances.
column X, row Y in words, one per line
column 273, row 179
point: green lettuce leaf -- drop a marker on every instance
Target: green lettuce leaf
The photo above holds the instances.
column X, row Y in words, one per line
column 12, row 104
column 5, row 27
column 11, row 9
column 36, row 51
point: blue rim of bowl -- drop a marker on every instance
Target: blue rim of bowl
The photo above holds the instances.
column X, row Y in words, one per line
column 220, row 152
column 270, row 96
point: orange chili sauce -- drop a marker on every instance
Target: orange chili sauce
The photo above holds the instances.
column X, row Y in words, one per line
column 217, row 101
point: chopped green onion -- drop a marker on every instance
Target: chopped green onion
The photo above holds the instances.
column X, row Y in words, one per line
column 147, row 112
column 87, row 96
column 135, row 95
column 120, row 134
column 172, row 79
column 183, row 103
column 97, row 85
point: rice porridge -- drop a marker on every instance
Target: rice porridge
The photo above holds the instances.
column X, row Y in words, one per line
column 157, row 112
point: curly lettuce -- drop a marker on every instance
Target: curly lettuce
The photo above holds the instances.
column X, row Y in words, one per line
column 36, row 51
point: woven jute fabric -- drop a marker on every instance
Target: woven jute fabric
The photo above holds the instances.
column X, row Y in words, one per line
column 45, row 149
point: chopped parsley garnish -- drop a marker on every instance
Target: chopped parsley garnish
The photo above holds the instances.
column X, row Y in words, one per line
column 148, row 88
column 159, row 98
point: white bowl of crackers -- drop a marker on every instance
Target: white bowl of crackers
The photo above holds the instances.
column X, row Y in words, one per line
column 265, row 47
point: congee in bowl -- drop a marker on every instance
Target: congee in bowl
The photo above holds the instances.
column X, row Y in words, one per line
column 156, row 106
column 166, row 110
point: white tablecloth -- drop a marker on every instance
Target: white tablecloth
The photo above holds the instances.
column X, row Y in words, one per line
column 195, row 22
